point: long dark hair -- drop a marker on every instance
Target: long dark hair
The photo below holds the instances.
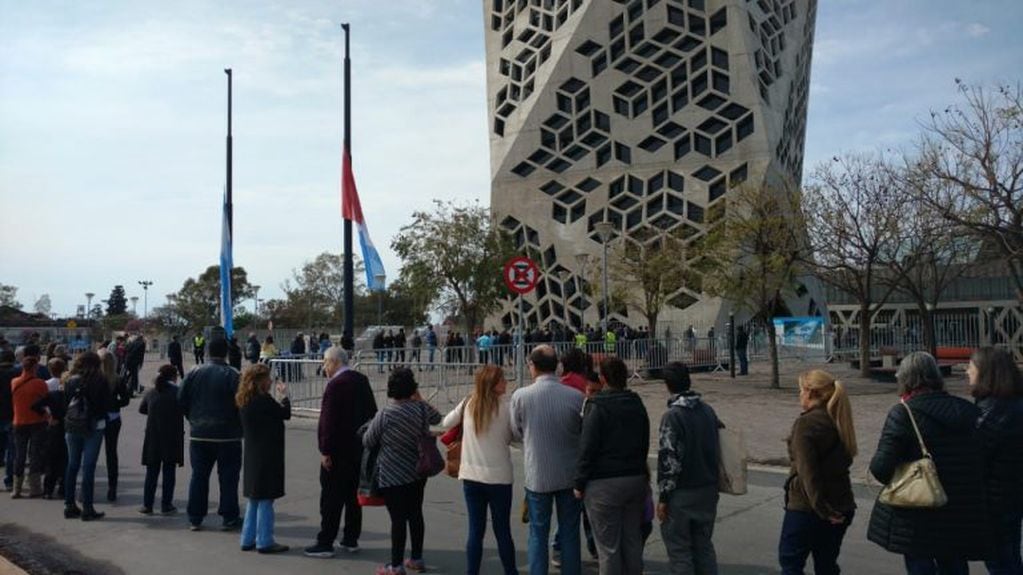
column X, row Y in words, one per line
column 997, row 374
column 87, row 366
column 165, row 376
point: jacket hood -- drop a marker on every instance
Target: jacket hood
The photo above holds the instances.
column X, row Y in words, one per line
column 687, row 400
column 615, row 397
column 952, row 412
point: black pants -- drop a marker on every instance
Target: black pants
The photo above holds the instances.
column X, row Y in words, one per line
column 405, row 506
column 133, row 378
column 29, row 445
column 149, row 487
column 804, row 534
column 178, row 363
column 56, row 458
column 338, row 490
column 110, row 435
column 200, row 356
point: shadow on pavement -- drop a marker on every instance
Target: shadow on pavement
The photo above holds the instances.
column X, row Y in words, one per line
column 39, row 554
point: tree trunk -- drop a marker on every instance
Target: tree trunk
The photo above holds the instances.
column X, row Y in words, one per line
column 772, row 348
column 865, row 320
column 927, row 319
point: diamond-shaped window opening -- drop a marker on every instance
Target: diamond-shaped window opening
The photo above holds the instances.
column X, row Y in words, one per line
column 616, row 187
column 676, row 205
column 676, row 182
column 718, row 21
column 719, row 58
column 621, row 106
column 738, row 175
column 679, row 75
column 587, row 185
column 526, row 35
column 603, row 155
column 602, row 121
column 635, row 10
column 572, row 85
column 723, row 143
column 697, row 62
column 744, row 128
column 569, row 197
column 509, row 223
column 652, row 144
column 688, row 43
column 664, row 222
column 629, row 89
column 694, row 213
column 646, row 50
column 627, row 65
column 649, row 74
column 594, row 139
column 667, row 35
column 499, row 127
column 588, row 48
column 676, row 16
column 583, row 124
column 559, row 213
column 698, row 85
column 706, row 173
column 506, row 110
column 682, row 146
column 533, row 237
column 617, row 26
column 550, row 257
column 682, row 301
column 634, row 218
column 564, row 102
column 566, row 137
column 556, row 121
column 671, row 130
column 716, row 190
column 668, row 59
column 623, row 153
column 635, row 186
column 523, row 169
column 711, row 102
column 576, row 152
column 655, row 183
column 577, row 212
column 624, row 202
column 636, row 34
column 548, row 139
column 552, row 187
column 559, row 165
column 679, row 100
column 720, row 82
column 660, row 115
column 540, row 156
column 659, row 90
column 582, row 100
column 732, row 111
column 604, row 215
column 697, row 24
column 639, row 105
column 654, row 205
column 599, row 64
column 617, row 49
column 712, row 126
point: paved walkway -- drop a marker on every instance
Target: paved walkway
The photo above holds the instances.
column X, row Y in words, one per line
column 127, row 542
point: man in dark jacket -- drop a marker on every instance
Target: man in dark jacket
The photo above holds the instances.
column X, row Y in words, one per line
column 252, row 349
column 234, row 353
column 348, row 403
column 174, row 355
column 741, row 346
column 207, row 400
column 7, row 372
column 687, row 475
column 134, row 357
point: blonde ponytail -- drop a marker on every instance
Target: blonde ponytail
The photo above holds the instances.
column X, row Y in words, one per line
column 836, row 401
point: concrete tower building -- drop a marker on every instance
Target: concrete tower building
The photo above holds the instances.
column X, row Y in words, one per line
column 642, row 113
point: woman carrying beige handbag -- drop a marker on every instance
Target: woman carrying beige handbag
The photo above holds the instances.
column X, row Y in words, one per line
column 931, row 539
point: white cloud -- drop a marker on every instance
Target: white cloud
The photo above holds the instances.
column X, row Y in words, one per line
column 977, row 30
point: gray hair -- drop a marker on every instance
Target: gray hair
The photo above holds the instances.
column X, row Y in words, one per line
column 919, row 370
column 336, row 353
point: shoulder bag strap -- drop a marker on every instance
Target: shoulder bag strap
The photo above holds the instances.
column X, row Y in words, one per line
column 919, row 438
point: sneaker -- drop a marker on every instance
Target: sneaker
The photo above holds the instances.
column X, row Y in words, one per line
column 351, row 548
column 275, row 548
column 195, row 526
column 72, row 512
column 92, row 515
column 417, row 565
column 390, row 570
column 169, row 510
column 555, row 558
column 248, row 547
column 231, row 524
column 319, row 550
column 146, row 510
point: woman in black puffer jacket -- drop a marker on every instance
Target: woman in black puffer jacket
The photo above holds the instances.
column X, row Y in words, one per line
column 998, row 386
column 940, row 540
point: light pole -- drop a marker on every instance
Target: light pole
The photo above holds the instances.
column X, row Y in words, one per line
column 134, row 304
column 381, row 280
column 145, row 300
column 564, row 274
column 604, row 230
column 582, row 259
column 88, row 305
column 255, row 300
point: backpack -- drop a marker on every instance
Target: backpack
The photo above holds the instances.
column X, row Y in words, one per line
column 77, row 419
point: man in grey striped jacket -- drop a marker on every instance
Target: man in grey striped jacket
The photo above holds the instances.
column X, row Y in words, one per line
column 545, row 416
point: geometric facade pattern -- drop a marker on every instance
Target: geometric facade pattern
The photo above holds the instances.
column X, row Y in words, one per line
column 642, row 113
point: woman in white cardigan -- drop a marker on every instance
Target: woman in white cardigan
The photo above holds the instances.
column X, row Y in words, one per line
column 486, row 466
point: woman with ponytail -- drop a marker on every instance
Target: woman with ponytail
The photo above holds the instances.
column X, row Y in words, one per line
column 819, row 503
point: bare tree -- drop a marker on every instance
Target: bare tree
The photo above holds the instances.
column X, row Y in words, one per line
column 975, row 152
column 650, row 273
column 851, row 210
column 754, row 254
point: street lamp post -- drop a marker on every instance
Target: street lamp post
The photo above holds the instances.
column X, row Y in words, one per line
column 145, row 300
column 381, row 280
column 88, row 305
column 604, row 230
column 134, row 304
column 564, row 274
column 582, row 259
column 255, row 300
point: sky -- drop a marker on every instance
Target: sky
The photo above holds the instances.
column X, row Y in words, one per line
column 113, row 122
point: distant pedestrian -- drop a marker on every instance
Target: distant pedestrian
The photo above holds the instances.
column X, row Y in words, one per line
column 819, row 502
column 417, row 349
column 174, row 356
column 576, row 366
column 8, row 371
column 997, row 385
column 399, row 346
column 398, row 430
column 688, row 457
column 134, row 357
column 56, row 448
column 263, row 420
column 234, row 353
column 199, row 348
column 935, row 540
column 120, row 396
column 88, row 402
column 347, row 405
column 207, row 400
column 163, row 449
column 545, row 416
column 611, row 472
column 252, row 349
column 486, row 466
column 29, row 425
column 268, row 351
column 741, row 347
column 431, row 342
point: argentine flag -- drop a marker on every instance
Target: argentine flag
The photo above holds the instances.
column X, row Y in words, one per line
column 226, row 263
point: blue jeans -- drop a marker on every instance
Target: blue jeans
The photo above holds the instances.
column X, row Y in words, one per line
column 803, row 534
column 478, row 497
column 932, row 566
column 149, row 488
column 1007, row 553
column 82, row 453
column 258, row 528
column 540, row 510
column 743, row 361
column 228, row 458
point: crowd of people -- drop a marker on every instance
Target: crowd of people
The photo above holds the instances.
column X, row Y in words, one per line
column 585, row 437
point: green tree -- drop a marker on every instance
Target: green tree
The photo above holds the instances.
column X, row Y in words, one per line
column 650, row 273
column 43, row 304
column 197, row 303
column 117, row 303
column 315, row 291
column 452, row 257
column 9, row 296
column 753, row 255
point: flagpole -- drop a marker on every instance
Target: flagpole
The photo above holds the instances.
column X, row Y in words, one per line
column 226, row 304
column 349, row 264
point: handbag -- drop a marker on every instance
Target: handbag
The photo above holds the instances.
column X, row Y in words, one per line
column 369, row 491
column 915, row 485
column 731, row 462
column 430, row 462
column 453, row 440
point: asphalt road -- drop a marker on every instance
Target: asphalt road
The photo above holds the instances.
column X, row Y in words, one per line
column 34, row 534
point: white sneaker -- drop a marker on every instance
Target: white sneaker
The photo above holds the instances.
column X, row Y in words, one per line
column 351, row 549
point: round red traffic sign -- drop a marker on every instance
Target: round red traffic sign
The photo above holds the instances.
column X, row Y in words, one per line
column 521, row 275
